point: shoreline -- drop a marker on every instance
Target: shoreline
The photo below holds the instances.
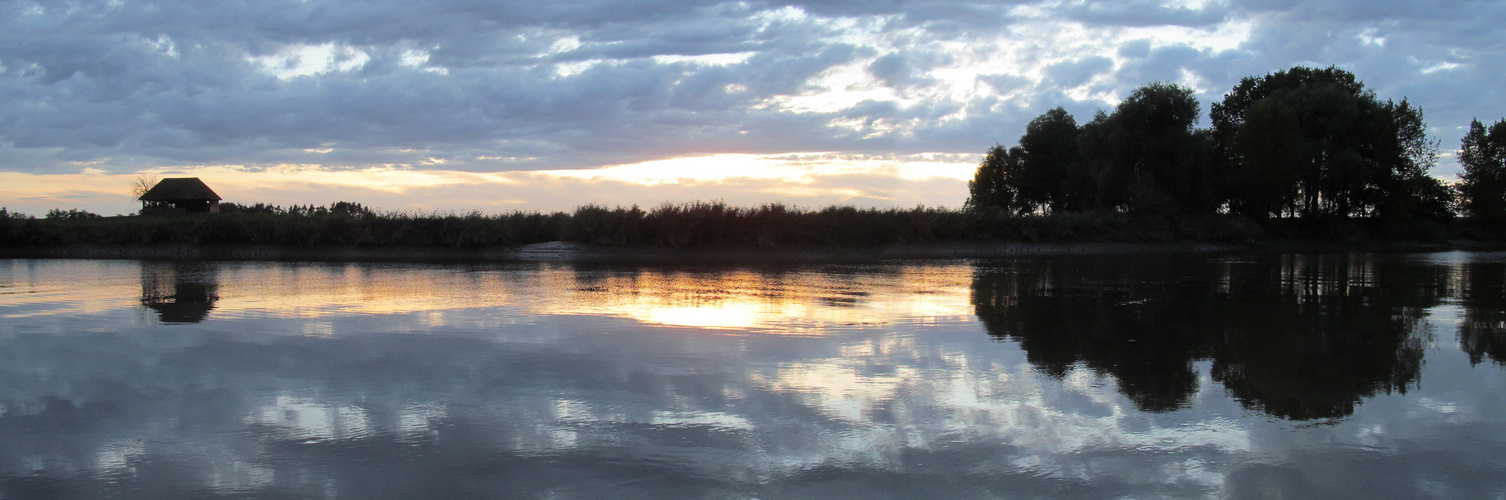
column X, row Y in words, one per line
column 568, row 252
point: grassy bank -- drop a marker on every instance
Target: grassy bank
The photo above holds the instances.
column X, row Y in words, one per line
column 698, row 224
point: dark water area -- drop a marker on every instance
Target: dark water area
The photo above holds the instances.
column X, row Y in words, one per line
column 1180, row 376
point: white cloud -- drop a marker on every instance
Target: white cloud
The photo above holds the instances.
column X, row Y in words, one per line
column 706, row 59
column 310, row 60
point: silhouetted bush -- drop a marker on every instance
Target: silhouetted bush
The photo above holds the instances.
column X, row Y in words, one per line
column 74, row 213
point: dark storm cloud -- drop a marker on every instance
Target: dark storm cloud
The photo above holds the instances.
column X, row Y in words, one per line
column 125, row 85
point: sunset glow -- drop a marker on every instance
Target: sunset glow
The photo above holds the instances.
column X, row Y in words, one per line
column 421, row 108
column 803, row 179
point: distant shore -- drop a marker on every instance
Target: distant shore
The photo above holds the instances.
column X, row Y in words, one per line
column 703, row 232
column 560, row 251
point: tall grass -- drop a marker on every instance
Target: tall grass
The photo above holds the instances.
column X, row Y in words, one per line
column 699, row 224
column 694, row 224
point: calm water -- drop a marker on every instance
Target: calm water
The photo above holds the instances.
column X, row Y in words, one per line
column 1259, row 376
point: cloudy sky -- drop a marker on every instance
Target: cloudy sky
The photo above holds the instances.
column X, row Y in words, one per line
column 498, row 106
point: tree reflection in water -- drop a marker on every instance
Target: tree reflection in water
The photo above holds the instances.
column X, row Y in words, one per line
column 179, row 291
column 1482, row 333
column 1295, row 337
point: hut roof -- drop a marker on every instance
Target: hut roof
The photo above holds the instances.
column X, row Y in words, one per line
column 180, row 188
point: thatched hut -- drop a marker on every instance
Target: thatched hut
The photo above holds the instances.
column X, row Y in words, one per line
column 180, row 195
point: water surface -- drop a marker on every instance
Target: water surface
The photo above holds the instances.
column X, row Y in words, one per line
column 1303, row 376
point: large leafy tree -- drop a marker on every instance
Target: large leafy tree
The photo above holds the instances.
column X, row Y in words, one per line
column 1405, row 190
column 1482, row 184
column 1051, row 177
column 1041, row 174
column 993, row 184
column 1349, row 153
column 1300, row 142
column 1266, row 144
column 1147, row 157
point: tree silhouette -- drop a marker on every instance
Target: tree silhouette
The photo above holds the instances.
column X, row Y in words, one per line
column 1482, row 183
column 992, row 185
column 1147, row 154
column 1269, row 168
column 142, row 184
column 1051, row 177
column 1304, row 142
column 1357, row 155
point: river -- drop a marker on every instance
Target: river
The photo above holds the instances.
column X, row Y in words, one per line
column 1254, row 375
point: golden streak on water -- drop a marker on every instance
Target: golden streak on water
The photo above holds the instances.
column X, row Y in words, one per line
column 795, row 302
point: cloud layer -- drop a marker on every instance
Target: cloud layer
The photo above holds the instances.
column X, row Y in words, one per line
column 467, row 85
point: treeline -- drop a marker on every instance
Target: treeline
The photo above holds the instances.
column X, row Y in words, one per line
column 340, row 209
column 696, row 224
column 1298, row 149
column 56, row 213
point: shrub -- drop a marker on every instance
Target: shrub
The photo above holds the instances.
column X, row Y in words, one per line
column 73, row 213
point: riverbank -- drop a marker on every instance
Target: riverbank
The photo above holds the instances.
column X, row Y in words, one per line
column 561, row 251
column 701, row 231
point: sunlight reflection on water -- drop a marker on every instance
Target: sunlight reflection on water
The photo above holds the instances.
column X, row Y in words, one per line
column 1177, row 376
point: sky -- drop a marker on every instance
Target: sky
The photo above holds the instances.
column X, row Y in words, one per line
column 496, row 106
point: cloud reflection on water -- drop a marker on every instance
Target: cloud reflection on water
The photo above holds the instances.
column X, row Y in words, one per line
column 545, row 380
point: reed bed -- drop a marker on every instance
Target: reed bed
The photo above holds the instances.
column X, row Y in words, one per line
column 683, row 225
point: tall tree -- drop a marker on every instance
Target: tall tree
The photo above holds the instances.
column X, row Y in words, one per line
column 1229, row 114
column 1147, row 156
column 992, row 184
column 1405, row 190
column 1050, row 175
column 1357, row 156
column 1268, row 171
column 1482, row 183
